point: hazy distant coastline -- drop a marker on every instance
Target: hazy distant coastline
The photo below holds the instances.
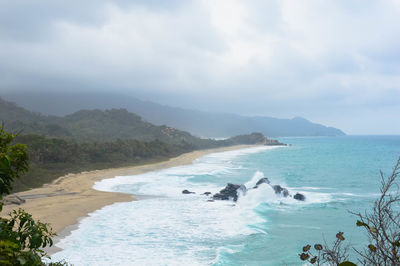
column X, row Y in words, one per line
column 199, row 123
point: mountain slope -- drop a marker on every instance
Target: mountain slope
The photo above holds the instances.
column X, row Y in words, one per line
column 205, row 124
column 108, row 125
column 93, row 125
column 96, row 139
column 119, row 123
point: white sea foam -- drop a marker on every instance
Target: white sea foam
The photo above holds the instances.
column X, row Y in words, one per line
column 314, row 188
column 265, row 194
column 253, row 181
column 170, row 229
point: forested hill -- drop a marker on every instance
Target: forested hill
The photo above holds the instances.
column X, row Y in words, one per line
column 95, row 139
column 91, row 125
column 119, row 124
column 104, row 126
column 199, row 123
column 10, row 111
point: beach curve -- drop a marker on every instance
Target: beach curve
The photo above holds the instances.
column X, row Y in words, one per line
column 71, row 197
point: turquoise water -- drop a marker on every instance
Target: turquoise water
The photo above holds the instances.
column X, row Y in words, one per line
column 337, row 175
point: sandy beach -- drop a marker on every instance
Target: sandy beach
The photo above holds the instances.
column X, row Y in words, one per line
column 70, row 197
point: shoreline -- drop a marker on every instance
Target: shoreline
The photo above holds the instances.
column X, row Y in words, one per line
column 72, row 197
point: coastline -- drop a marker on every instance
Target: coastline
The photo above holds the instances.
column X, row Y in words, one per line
column 70, row 198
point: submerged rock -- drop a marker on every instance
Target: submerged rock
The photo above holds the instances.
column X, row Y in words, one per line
column 299, row 196
column 187, row 192
column 230, row 192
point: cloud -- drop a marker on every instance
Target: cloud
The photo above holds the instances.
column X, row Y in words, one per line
column 283, row 58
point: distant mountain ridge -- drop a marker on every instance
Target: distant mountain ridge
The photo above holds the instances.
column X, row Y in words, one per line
column 109, row 125
column 199, row 123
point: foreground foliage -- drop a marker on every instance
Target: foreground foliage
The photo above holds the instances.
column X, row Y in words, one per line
column 382, row 225
column 13, row 161
column 22, row 239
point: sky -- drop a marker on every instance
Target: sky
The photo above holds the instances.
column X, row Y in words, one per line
column 335, row 62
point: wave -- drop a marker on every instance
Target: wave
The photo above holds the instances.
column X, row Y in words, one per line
column 265, row 194
column 180, row 229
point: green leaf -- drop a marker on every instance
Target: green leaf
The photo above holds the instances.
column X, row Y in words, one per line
column 372, row 248
column 396, row 243
column 21, row 260
column 359, row 223
column 21, row 223
column 347, row 263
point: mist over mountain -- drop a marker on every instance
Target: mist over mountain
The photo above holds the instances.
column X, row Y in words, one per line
column 200, row 123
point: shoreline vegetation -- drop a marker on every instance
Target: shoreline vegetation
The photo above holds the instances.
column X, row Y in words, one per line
column 71, row 197
column 50, row 158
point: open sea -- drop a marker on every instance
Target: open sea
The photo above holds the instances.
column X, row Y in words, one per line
column 166, row 227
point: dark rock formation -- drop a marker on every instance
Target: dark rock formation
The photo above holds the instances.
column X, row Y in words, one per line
column 206, row 193
column 280, row 190
column 230, row 192
column 187, row 192
column 262, row 181
column 299, row 196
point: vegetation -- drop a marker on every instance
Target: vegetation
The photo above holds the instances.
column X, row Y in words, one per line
column 382, row 225
column 53, row 157
column 95, row 139
column 94, row 125
column 22, row 239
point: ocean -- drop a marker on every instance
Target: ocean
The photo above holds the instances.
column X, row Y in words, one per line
column 166, row 227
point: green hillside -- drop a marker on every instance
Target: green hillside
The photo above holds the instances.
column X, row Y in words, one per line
column 96, row 139
column 93, row 125
column 120, row 124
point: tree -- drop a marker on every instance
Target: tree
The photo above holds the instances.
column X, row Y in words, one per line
column 382, row 225
column 13, row 161
column 337, row 254
column 22, row 239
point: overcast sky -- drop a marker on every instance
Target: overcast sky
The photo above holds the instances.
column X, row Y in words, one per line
column 333, row 62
